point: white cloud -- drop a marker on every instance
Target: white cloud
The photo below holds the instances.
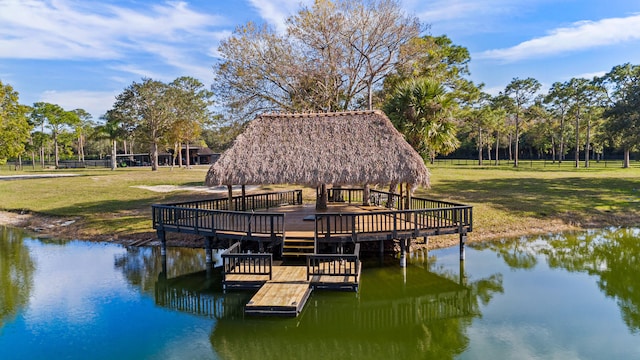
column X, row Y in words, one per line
column 448, row 10
column 581, row 35
column 94, row 102
column 276, row 12
column 62, row 29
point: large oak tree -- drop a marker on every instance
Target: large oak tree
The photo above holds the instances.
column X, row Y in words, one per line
column 332, row 57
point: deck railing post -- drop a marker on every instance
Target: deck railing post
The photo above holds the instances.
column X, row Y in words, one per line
column 353, row 228
column 328, row 235
column 395, row 225
column 197, row 221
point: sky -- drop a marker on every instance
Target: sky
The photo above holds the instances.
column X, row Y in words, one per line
column 82, row 53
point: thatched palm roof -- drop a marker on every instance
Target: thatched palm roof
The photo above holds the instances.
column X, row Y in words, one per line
column 347, row 148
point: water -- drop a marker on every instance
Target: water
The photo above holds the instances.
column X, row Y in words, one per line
column 557, row 297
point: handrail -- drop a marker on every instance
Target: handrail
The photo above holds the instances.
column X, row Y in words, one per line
column 251, row 201
column 236, row 263
column 195, row 219
column 393, row 221
column 418, row 202
column 334, row 264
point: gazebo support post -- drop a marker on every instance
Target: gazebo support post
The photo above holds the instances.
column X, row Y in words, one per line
column 392, row 191
column 365, row 195
column 230, row 197
column 163, row 242
column 407, row 204
column 322, row 199
column 244, row 199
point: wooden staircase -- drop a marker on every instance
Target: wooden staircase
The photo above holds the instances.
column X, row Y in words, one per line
column 298, row 247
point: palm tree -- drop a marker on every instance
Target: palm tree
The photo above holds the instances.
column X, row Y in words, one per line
column 422, row 110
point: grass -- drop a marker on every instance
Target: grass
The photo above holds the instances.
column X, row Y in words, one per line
column 507, row 201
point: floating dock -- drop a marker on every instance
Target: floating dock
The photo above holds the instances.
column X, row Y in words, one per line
column 289, row 287
column 284, row 295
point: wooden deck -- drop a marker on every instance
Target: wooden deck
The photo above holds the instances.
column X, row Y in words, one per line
column 297, row 226
column 281, row 223
column 284, row 295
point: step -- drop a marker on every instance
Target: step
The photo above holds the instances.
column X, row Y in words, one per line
column 297, row 242
column 307, row 241
column 311, row 247
column 295, row 253
column 298, row 247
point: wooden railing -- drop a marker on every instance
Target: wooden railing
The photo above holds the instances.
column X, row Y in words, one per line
column 198, row 221
column 267, row 200
column 194, row 302
column 348, row 195
column 236, row 263
column 334, row 264
column 428, row 215
column 250, row 202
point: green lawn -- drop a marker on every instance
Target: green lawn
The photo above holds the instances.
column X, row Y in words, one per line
column 507, row 201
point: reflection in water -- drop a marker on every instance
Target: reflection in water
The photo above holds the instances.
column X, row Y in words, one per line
column 574, row 296
column 142, row 266
column 16, row 274
column 612, row 255
column 413, row 312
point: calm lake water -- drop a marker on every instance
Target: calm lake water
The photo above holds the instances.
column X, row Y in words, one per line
column 558, row 297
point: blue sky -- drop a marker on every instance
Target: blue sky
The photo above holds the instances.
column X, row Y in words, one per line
column 82, row 53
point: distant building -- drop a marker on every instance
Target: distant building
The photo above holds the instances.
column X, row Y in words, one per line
column 198, row 155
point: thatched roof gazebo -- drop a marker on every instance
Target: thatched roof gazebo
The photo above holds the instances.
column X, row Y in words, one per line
column 344, row 148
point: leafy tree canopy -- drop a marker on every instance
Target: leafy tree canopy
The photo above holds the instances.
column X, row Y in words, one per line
column 14, row 126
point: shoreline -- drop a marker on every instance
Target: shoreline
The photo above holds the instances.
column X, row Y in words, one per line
column 72, row 228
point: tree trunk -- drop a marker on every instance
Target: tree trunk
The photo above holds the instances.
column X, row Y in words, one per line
column 114, row 161
column 587, row 149
column 517, row 150
column 510, row 146
column 561, row 155
column 480, row 146
column 497, row 147
column 175, row 154
column 370, row 93
column 626, row 163
column 553, row 149
column 578, row 140
column 55, row 151
column 154, row 156
column 188, row 156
